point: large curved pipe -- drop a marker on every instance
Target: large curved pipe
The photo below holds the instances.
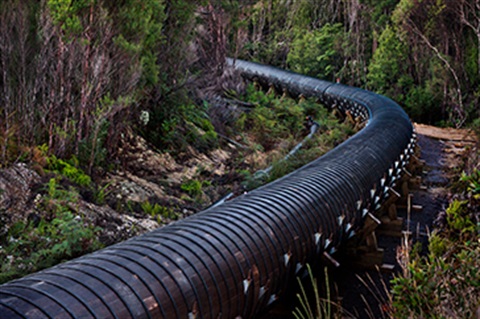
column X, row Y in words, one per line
column 234, row 259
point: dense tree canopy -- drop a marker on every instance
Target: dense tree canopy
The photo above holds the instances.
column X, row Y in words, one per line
column 76, row 75
column 424, row 54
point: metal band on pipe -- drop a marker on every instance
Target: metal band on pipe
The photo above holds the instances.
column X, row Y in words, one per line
column 236, row 258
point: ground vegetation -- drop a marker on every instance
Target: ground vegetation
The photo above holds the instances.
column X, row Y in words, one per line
column 129, row 105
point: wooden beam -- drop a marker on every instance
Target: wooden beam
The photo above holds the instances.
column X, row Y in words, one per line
column 371, row 223
column 369, row 260
column 390, row 227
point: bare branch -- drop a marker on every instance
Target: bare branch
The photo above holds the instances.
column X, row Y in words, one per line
column 447, row 65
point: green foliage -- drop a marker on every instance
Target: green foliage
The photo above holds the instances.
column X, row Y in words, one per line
column 439, row 287
column 67, row 14
column 158, row 211
column 140, row 24
column 459, row 221
column 272, row 26
column 176, row 128
column 178, row 30
column 476, row 127
column 34, row 245
column 281, row 168
column 473, row 181
column 437, row 244
column 471, row 59
column 418, row 293
column 400, row 48
column 420, row 101
column 100, row 194
column 445, row 283
column 277, row 123
column 382, row 11
column 387, row 65
column 193, row 187
column 146, row 50
column 69, row 169
column 75, row 55
column 273, row 118
column 93, row 149
column 200, row 131
column 270, row 34
column 388, row 74
column 316, row 53
column 335, row 134
column 252, row 181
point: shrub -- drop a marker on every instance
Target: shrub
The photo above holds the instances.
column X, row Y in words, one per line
column 316, row 53
column 69, row 169
column 445, row 283
column 177, row 127
column 193, row 187
column 158, row 211
column 42, row 242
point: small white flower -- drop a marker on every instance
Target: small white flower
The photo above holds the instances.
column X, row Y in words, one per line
column 144, row 117
column 37, row 199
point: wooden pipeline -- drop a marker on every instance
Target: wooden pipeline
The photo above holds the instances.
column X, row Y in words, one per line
column 235, row 259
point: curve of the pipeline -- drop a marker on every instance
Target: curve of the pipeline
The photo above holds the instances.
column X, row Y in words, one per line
column 233, row 260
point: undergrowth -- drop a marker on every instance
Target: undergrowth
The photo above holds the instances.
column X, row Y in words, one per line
column 277, row 123
column 60, row 234
column 159, row 212
column 56, row 231
column 312, row 303
column 442, row 283
column 446, row 282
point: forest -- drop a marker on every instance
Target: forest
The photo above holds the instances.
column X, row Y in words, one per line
column 80, row 79
column 76, row 75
